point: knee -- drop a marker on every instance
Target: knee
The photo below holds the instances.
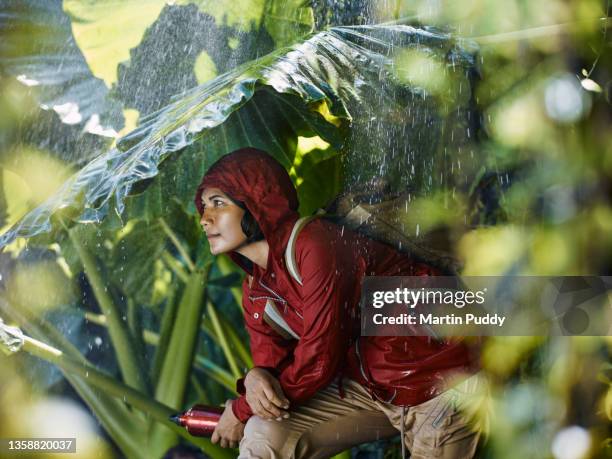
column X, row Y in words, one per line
column 257, row 427
column 263, row 439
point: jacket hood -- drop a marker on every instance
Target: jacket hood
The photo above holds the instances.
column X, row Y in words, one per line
column 264, row 186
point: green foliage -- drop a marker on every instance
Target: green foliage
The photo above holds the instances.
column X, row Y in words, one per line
column 174, row 375
column 286, row 21
column 479, row 142
column 105, row 31
column 134, row 264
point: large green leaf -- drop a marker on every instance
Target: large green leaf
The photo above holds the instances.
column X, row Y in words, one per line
column 134, row 261
column 105, row 31
column 287, row 20
column 39, row 49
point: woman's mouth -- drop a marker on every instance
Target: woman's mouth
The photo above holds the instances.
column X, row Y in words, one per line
column 210, row 236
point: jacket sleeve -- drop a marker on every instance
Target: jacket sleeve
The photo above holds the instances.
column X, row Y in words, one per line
column 269, row 351
column 329, row 290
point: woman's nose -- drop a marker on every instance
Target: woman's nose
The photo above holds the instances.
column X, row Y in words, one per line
column 206, row 218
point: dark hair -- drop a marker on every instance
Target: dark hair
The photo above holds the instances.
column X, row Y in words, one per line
column 249, row 225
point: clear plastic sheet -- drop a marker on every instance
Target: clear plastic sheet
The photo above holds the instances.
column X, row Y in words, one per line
column 11, row 338
column 339, row 66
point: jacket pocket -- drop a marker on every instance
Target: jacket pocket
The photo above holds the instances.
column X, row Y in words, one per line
column 438, row 422
column 275, row 320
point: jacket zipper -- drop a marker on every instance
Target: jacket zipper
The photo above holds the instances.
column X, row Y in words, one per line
column 360, row 362
column 371, row 384
column 279, row 298
column 253, row 298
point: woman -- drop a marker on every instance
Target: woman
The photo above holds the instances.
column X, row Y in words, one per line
column 317, row 388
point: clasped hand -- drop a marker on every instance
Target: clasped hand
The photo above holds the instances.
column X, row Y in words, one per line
column 266, row 399
column 265, row 395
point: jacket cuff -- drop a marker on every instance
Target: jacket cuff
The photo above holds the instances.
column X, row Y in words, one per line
column 241, row 409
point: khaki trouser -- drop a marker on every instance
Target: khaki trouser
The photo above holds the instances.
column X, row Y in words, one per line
column 443, row 427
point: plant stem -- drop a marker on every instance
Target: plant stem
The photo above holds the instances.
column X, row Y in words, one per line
column 202, row 396
column 114, row 416
column 165, row 332
column 226, row 267
column 119, row 335
column 236, row 341
column 211, row 369
column 158, row 411
column 218, row 374
column 178, row 360
column 179, row 356
column 135, row 326
column 179, row 246
column 97, row 378
column 229, row 355
column 175, row 266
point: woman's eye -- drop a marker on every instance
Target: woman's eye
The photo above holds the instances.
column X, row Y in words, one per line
column 217, row 202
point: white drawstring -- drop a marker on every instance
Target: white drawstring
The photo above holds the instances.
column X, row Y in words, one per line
column 402, row 430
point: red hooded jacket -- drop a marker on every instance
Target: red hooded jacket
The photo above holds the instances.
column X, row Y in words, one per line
column 323, row 311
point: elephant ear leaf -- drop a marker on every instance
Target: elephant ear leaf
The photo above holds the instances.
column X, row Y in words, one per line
column 287, row 20
column 39, row 50
column 106, row 31
column 318, row 177
column 134, row 264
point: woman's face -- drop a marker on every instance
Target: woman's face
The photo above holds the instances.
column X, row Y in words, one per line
column 221, row 221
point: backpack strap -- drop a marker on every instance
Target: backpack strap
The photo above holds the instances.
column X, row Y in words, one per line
column 271, row 315
column 290, row 250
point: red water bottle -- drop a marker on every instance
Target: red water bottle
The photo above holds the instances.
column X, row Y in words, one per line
column 199, row 420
